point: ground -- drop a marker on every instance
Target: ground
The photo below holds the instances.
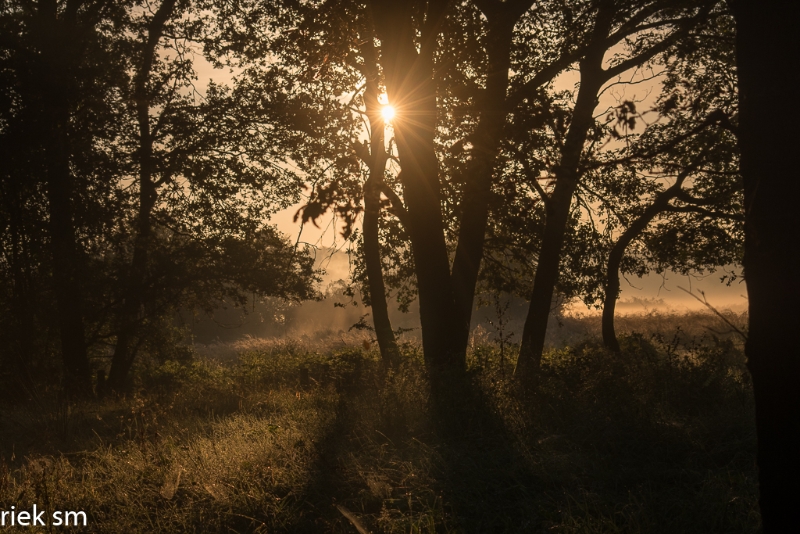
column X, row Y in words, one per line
column 310, row 436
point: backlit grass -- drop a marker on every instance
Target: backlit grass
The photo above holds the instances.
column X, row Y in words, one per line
column 282, row 437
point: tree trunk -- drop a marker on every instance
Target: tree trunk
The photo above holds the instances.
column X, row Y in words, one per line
column 372, row 258
column 767, row 58
column 558, row 212
column 475, row 204
column 66, row 259
column 131, row 314
column 615, row 259
column 57, row 91
column 377, row 157
column 411, row 90
column 20, row 343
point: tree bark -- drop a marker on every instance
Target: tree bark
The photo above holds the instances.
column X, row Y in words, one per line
column 372, row 210
column 377, row 289
column 767, row 58
column 486, row 145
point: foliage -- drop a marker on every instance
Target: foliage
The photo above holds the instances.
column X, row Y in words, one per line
column 217, row 169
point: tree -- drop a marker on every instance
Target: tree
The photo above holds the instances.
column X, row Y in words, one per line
column 447, row 72
column 63, row 67
column 644, row 27
column 123, row 353
column 208, row 173
column 375, row 157
column 175, row 187
column 766, row 56
column 719, row 205
column 411, row 90
column 698, row 218
column 372, row 64
column 411, row 68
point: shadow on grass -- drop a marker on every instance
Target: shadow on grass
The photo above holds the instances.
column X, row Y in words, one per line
column 398, row 469
column 487, row 483
column 656, row 440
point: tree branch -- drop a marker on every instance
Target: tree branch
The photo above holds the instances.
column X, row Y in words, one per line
column 656, row 49
column 716, row 312
column 531, row 176
column 543, row 77
column 707, row 213
column 698, row 201
column 398, row 210
column 715, row 117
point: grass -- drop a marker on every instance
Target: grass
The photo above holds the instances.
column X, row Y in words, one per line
column 283, row 436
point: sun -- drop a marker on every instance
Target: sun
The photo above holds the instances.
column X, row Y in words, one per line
column 387, row 112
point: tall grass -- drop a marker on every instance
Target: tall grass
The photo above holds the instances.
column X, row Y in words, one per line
column 282, row 436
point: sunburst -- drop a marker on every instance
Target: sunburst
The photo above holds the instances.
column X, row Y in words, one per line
column 388, row 113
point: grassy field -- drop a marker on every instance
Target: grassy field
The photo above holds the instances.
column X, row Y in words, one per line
column 299, row 436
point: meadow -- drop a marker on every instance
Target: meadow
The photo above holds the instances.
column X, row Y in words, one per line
column 314, row 435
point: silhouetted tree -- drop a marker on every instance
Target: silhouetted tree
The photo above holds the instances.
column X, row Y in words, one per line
column 686, row 243
column 767, row 56
column 136, row 279
column 126, row 191
column 62, row 66
column 612, row 24
column 375, row 157
column 208, row 173
column 447, row 72
column 450, row 213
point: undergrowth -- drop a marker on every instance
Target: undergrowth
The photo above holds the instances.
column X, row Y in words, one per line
column 288, row 438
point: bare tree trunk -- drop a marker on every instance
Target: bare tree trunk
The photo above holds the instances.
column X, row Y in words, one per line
column 377, row 289
column 767, row 58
